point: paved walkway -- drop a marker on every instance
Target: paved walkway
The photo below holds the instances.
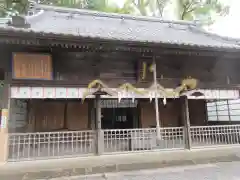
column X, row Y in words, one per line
column 49, row 169
column 218, row 171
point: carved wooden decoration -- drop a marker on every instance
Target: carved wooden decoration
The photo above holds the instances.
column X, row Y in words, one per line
column 32, row 66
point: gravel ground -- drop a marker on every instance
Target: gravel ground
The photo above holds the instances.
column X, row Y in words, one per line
column 219, row 171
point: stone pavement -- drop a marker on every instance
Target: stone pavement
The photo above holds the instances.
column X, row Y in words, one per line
column 217, row 171
column 56, row 168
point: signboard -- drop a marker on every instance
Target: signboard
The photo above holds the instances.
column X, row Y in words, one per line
column 32, row 66
column 4, row 118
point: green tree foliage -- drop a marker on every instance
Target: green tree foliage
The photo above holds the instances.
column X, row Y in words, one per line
column 142, row 6
column 64, row 3
column 12, row 7
column 98, row 5
column 203, row 10
column 149, row 7
column 106, row 6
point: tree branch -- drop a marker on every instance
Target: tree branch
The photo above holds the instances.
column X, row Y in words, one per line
column 161, row 6
column 184, row 11
column 186, row 8
column 134, row 3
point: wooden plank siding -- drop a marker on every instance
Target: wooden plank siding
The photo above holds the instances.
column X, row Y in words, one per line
column 86, row 67
column 54, row 115
column 46, row 116
column 117, row 68
column 72, row 68
column 77, row 116
column 50, row 116
column 170, row 115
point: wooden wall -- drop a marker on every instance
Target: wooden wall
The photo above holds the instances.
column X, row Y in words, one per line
column 77, row 116
column 170, row 115
column 44, row 116
column 57, row 115
column 114, row 68
column 118, row 67
column 197, row 112
column 147, row 117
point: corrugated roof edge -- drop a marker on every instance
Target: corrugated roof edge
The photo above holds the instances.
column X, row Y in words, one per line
column 194, row 26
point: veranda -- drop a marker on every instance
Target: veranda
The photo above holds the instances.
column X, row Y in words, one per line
column 128, row 138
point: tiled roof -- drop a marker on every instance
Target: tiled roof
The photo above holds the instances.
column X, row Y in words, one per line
column 65, row 21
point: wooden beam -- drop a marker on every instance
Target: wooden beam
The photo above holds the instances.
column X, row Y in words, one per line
column 100, row 140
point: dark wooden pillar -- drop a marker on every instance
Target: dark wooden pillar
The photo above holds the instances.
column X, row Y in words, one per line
column 99, row 131
column 186, row 122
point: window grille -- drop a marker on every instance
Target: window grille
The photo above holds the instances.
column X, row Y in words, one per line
column 224, row 110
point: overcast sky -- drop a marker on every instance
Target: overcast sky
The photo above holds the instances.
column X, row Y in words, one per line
column 229, row 25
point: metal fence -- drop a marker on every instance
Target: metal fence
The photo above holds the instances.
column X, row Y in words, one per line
column 28, row 146
column 44, row 145
column 127, row 140
column 215, row 135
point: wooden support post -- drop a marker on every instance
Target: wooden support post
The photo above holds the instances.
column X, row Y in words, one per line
column 99, row 131
column 158, row 129
column 186, row 122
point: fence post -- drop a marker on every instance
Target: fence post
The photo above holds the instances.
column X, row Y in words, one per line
column 186, row 122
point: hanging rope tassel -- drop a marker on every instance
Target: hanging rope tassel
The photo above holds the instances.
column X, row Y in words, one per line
column 164, row 101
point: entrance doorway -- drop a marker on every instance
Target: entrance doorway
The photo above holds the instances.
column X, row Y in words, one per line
column 119, row 115
column 117, row 118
